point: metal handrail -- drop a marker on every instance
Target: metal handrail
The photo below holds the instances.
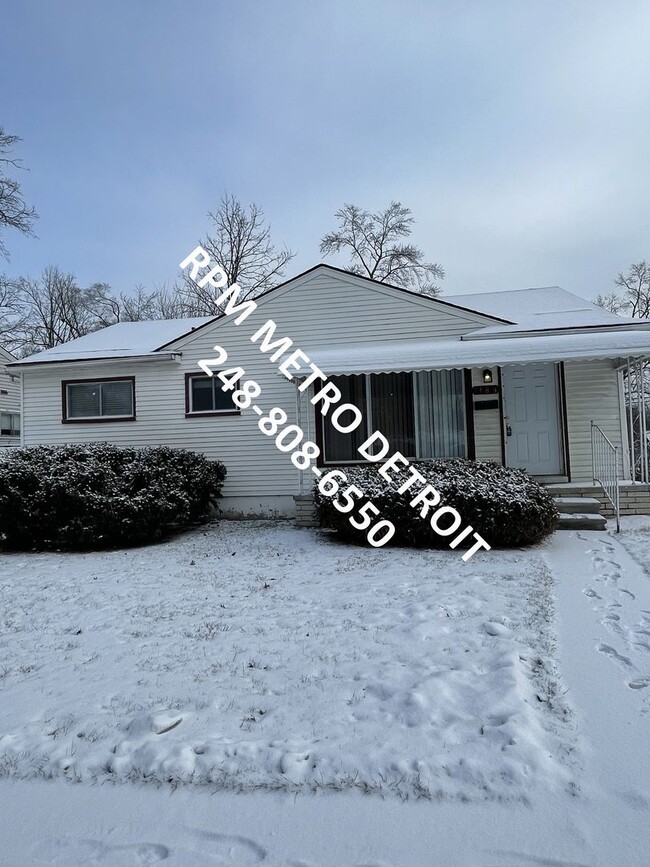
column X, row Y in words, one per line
column 604, row 469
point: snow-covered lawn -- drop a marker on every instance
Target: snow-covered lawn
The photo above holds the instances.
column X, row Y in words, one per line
column 257, row 655
column 361, row 660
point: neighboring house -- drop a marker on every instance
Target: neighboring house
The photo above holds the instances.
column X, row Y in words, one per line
column 9, row 402
column 514, row 377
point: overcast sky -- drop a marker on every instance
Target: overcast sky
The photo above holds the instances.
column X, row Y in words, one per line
column 517, row 132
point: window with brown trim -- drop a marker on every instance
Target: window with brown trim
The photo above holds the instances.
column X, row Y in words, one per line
column 204, row 396
column 98, row 400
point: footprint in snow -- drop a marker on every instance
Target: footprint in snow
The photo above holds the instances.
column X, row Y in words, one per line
column 494, row 629
column 521, row 859
column 159, row 722
column 611, row 621
column 610, row 651
column 591, row 593
column 639, row 683
column 635, row 800
column 73, row 852
column 601, row 562
column 230, row 848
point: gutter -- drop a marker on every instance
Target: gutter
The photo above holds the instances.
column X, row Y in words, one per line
column 120, row 359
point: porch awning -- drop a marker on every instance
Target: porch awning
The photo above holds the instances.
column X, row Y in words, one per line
column 393, row 356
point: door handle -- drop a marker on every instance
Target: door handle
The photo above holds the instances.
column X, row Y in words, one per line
column 508, row 430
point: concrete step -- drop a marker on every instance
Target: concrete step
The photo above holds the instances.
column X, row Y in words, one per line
column 577, row 505
column 584, row 521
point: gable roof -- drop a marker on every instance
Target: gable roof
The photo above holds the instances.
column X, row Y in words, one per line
column 508, row 313
column 137, row 339
column 448, row 301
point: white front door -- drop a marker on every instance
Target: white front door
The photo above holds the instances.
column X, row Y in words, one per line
column 532, row 418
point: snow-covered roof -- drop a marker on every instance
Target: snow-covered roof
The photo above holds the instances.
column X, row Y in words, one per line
column 553, row 323
column 393, row 356
column 538, row 309
column 544, row 309
column 124, row 340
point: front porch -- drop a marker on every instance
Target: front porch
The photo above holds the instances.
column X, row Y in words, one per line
column 535, row 415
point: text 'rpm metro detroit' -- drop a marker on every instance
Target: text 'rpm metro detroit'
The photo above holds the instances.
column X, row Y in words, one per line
column 345, row 417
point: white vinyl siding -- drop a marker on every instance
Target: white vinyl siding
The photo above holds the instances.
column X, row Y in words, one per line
column 317, row 311
column 591, row 393
column 487, row 423
column 9, row 401
column 313, row 312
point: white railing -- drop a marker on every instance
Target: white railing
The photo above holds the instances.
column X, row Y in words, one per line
column 604, row 468
column 636, row 385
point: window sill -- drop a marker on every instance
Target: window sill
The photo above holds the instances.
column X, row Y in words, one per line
column 99, row 420
column 215, row 414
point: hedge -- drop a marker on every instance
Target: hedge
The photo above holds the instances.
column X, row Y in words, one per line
column 505, row 506
column 99, row 495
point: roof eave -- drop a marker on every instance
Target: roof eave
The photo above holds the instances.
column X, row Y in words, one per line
column 107, row 359
column 549, row 332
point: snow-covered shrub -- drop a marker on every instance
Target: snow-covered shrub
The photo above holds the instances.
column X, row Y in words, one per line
column 99, row 495
column 505, row 506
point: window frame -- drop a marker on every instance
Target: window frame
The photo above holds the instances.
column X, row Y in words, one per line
column 96, row 419
column 470, row 443
column 208, row 413
column 13, row 414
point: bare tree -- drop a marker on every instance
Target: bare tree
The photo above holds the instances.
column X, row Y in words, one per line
column 373, row 241
column 239, row 240
column 173, row 303
column 135, row 307
column 14, row 213
column 12, row 315
column 634, row 300
column 56, row 309
column 612, row 302
column 37, row 314
column 636, row 286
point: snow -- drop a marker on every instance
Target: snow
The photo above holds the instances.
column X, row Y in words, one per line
column 125, row 339
column 252, row 656
column 558, row 321
column 576, row 791
column 396, row 355
column 526, row 305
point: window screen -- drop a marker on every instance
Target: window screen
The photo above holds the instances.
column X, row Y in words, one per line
column 99, row 399
column 206, row 395
column 10, row 424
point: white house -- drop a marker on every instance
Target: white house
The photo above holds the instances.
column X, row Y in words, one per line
column 9, row 402
column 515, row 377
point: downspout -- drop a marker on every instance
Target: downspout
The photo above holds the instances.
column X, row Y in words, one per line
column 301, row 473
column 22, row 409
